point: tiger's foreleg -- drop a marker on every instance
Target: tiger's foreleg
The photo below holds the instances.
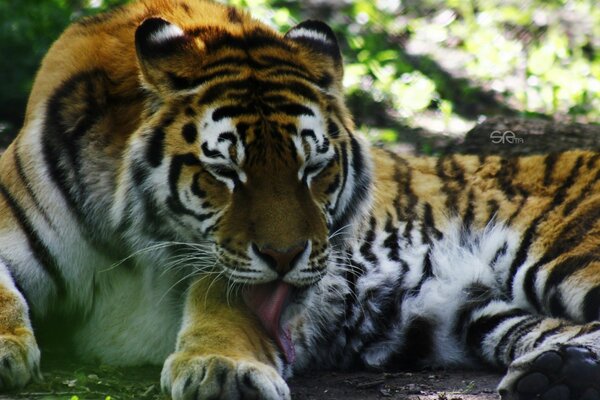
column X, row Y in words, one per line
column 547, row 358
column 19, row 352
column 222, row 352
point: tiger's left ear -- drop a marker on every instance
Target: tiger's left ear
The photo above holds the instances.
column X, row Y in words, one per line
column 318, row 38
column 167, row 56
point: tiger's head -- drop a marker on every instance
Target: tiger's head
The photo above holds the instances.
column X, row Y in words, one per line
column 247, row 142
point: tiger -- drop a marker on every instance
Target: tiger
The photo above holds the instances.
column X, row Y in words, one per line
column 189, row 187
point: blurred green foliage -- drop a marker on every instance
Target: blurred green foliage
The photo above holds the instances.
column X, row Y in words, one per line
column 437, row 64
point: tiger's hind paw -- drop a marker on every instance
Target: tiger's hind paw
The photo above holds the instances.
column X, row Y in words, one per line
column 19, row 360
column 193, row 377
column 566, row 372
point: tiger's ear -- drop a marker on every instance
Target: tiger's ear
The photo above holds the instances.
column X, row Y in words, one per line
column 167, row 56
column 318, row 38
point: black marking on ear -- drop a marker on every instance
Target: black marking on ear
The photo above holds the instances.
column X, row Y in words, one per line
column 190, row 133
column 156, row 37
column 317, row 36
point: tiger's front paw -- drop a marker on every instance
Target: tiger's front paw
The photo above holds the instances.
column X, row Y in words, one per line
column 19, row 359
column 564, row 372
column 192, row 377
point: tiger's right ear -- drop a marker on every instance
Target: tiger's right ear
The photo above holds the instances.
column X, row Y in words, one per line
column 167, row 56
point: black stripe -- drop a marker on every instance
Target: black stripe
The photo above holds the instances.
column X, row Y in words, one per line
column 508, row 169
column 583, row 195
column 333, row 186
column 531, row 231
column 568, row 267
column 549, row 163
column 391, row 242
column 283, row 72
column 178, row 82
column 345, row 170
column 512, row 337
column 173, row 200
column 333, row 129
column 252, row 85
column 361, row 184
column 444, row 178
column 358, row 162
column 527, row 326
column 228, row 136
column 27, row 184
column 40, row 252
column 591, row 305
column 429, row 225
column 518, row 209
column 591, row 162
column 366, row 249
column 294, row 109
column 469, row 214
column 64, row 128
column 308, row 133
column 478, row 296
column 499, row 253
column 156, row 148
column 195, row 188
column 483, row 326
column 546, row 334
column 493, row 208
column 404, row 181
column 556, row 306
column 419, row 342
column 227, row 173
column 229, row 61
column 189, row 132
column 231, row 111
column 210, row 153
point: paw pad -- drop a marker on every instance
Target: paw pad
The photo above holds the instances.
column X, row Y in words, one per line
column 569, row 373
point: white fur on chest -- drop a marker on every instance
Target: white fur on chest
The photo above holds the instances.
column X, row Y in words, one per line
column 134, row 319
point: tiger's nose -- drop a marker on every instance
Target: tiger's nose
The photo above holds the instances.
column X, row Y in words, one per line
column 280, row 260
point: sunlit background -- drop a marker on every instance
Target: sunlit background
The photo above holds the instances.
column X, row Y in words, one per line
column 418, row 72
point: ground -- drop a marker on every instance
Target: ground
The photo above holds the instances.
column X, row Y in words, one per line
column 70, row 381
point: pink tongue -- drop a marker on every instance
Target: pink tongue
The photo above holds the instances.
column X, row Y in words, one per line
column 268, row 301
